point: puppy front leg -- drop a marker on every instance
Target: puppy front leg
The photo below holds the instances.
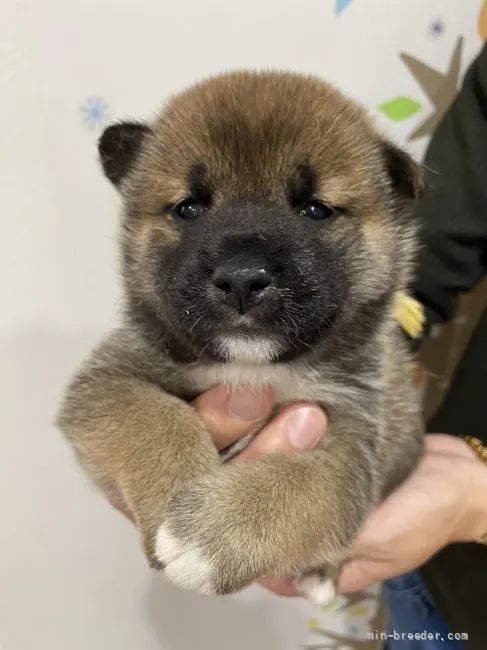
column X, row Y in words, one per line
column 128, row 433
column 282, row 515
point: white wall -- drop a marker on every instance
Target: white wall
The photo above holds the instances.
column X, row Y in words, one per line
column 71, row 574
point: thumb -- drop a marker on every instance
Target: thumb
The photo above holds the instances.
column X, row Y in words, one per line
column 298, row 427
column 230, row 414
column 358, row 574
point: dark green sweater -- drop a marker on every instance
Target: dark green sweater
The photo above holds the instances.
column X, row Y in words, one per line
column 453, row 260
column 454, row 210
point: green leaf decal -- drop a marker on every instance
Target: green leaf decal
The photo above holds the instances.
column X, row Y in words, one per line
column 399, row 108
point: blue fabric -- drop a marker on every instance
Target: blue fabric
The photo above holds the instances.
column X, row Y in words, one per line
column 413, row 622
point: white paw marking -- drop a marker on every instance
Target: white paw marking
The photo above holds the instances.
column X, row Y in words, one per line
column 185, row 565
column 317, row 590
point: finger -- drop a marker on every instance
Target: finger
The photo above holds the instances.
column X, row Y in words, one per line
column 230, row 414
column 357, row 575
column 298, row 427
column 280, row 587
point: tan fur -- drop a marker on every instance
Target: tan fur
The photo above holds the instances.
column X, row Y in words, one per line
column 126, row 412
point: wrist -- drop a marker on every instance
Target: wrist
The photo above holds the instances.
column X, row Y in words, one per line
column 474, row 524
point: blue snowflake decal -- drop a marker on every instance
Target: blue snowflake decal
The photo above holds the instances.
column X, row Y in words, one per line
column 95, row 112
column 340, row 5
column 437, row 27
column 353, row 630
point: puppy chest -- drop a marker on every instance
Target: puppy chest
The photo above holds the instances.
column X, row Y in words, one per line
column 287, row 383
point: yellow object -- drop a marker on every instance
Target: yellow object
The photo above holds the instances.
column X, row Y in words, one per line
column 481, row 451
column 410, row 315
column 482, row 24
column 359, row 611
column 335, row 604
column 478, row 446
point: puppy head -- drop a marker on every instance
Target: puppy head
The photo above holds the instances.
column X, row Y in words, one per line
column 263, row 213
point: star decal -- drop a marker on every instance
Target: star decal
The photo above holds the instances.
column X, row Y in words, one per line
column 440, row 88
column 437, row 27
column 340, row 5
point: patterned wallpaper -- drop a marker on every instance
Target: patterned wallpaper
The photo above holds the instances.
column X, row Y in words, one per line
column 66, row 70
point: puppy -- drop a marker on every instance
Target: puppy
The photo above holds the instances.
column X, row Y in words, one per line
column 266, row 231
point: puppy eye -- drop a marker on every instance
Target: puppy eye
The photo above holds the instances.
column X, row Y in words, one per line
column 318, row 211
column 189, row 209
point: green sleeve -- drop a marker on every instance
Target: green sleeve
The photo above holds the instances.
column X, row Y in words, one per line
column 453, row 213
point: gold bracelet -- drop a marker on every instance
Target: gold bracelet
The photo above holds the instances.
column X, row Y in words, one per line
column 481, row 451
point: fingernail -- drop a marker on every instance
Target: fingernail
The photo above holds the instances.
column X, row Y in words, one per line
column 248, row 406
column 304, row 427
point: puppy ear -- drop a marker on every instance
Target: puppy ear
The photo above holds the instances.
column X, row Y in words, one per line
column 119, row 146
column 408, row 178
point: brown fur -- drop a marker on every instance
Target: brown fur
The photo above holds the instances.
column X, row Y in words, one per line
column 126, row 412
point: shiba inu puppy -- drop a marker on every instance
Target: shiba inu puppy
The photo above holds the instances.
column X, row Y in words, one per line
column 266, row 232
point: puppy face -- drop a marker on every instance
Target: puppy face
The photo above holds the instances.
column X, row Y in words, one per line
column 262, row 212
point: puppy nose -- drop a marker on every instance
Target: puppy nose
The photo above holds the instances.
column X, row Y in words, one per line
column 241, row 287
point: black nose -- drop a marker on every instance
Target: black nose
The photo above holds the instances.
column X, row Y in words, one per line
column 240, row 286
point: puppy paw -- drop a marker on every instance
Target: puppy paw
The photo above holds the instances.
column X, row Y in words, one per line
column 205, row 542
column 318, row 589
column 184, row 562
column 225, row 530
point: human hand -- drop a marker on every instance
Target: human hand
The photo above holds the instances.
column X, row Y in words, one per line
column 230, row 415
column 443, row 501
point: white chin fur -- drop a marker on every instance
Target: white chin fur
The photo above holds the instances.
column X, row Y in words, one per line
column 247, row 350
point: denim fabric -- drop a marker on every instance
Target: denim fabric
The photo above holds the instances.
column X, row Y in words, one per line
column 411, row 611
